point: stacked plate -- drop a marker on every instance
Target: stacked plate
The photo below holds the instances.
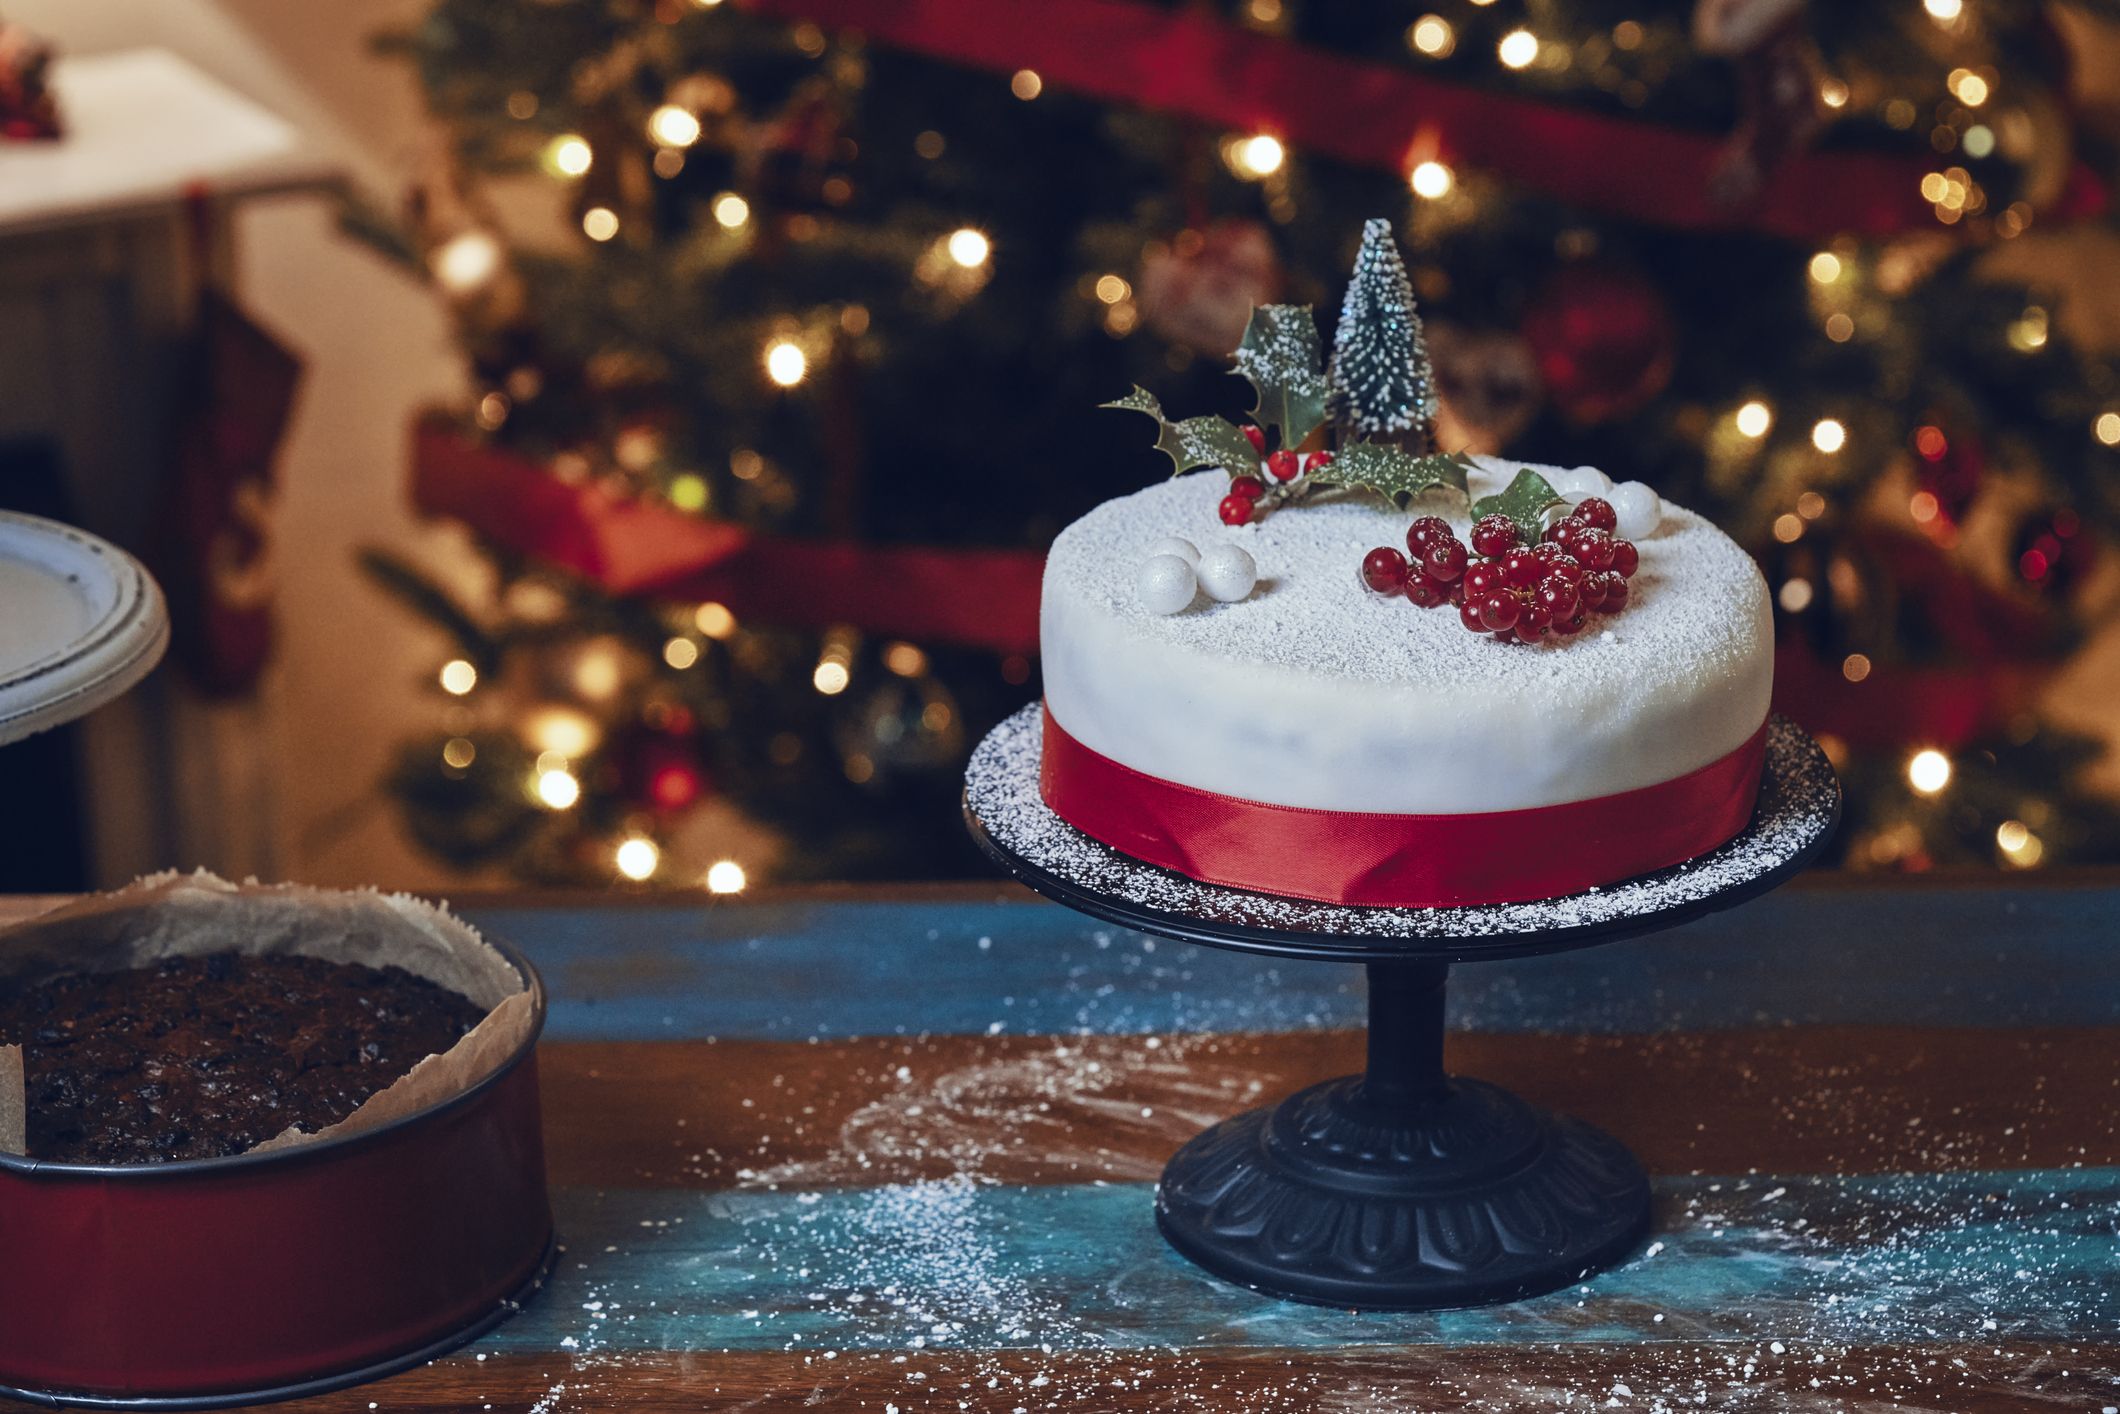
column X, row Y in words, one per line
column 80, row 622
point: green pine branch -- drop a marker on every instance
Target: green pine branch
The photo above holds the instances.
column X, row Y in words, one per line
column 418, row 591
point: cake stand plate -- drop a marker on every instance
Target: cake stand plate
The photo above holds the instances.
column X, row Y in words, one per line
column 1402, row 1188
column 83, row 622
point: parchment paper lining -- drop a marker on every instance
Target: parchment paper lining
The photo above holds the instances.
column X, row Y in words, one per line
column 179, row 915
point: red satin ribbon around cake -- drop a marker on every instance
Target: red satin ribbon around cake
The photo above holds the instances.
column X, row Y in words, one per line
column 1400, row 861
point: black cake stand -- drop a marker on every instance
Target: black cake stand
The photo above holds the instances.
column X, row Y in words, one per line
column 1404, row 1187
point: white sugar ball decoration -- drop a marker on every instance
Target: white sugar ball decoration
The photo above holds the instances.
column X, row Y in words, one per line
column 1582, row 481
column 1177, row 545
column 1228, row 572
column 1639, row 509
column 1164, row 584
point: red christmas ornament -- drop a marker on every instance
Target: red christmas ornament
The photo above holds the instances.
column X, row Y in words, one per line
column 1603, row 339
column 659, row 770
column 1949, row 467
column 674, row 786
column 2052, row 551
column 1200, row 289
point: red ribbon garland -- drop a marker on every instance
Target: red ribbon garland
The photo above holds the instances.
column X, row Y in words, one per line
column 1381, row 115
column 977, row 598
column 1407, row 861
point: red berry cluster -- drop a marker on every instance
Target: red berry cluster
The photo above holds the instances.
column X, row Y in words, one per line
column 1515, row 592
column 1241, row 505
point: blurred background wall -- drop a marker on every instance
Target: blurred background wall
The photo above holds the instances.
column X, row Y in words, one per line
column 344, row 689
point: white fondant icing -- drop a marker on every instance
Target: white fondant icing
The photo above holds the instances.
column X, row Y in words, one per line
column 1228, row 572
column 1314, row 693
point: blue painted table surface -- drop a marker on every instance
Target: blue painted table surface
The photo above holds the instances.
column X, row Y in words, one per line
column 894, row 1150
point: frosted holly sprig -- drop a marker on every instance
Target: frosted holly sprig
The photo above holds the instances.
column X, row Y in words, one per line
column 1281, row 477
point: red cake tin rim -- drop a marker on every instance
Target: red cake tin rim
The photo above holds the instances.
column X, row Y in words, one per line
column 29, row 1167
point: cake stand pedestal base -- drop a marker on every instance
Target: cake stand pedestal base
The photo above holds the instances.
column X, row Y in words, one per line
column 1400, row 1188
column 1403, row 1188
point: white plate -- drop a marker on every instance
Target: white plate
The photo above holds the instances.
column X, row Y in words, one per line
column 80, row 622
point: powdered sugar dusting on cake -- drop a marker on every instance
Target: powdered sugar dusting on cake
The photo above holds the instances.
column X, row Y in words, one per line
column 1690, row 612
column 1798, row 805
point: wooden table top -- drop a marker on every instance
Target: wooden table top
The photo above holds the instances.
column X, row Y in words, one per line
column 894, row 1150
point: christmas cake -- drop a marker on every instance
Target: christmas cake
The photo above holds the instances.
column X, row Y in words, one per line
column 1342, row 664
column 200, row 1057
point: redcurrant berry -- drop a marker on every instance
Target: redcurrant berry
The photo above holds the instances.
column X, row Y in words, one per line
column 1616, row 592
column 1594, row 548
column 1557, row 599
column 1255, row 435
column 1522, row 569
column 1625, row 558
column 1455, row 591
column 1592, row 591
column 1445, row 559
column 1573, row 624
column 1424, row 591
column 1384, row 570
column 1594, row 510
column 1563, row 569
column 1483, row 577
column 1549, row 553
column 1533, row 623
column 1469, row 615
column 1284, row 466
column 1235, row 509
column 1249, row 487
column 1562, row 530
column 1495, row 535
column 1424, row 530
column 1499, row 612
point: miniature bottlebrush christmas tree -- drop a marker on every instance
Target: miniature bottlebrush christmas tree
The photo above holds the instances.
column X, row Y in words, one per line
column 1380, row 380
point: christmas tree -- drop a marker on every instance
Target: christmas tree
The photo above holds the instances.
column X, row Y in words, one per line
column 769, row 430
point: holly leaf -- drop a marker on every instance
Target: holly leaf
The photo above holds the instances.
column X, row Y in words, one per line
column 1215, row 441
column 1393, row 472
column 1281, row 357
column 1195, row 442
column 1525, row 501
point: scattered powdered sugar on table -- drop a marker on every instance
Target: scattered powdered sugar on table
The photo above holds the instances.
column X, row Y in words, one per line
column 1091, row 1108
column 1785, row 1292
column 1798, row 803
column 925, row 1263
column 1698, row 603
